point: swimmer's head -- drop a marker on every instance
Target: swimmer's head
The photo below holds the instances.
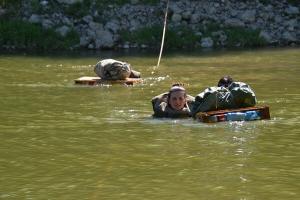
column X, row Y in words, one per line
column 225, row 81
column 177, row 96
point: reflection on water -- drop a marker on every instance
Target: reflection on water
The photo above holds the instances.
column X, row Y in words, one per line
column 62, row 141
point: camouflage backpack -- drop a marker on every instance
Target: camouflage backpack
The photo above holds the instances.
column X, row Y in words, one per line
column 110, row 69
column 237, row 95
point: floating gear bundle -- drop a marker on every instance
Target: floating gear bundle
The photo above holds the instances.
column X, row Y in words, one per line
column 110, row 69
column 237, row 95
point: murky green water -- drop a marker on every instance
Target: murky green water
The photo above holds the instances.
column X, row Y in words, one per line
column 61, row 141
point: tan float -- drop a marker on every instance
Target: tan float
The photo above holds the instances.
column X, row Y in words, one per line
column 88, row 80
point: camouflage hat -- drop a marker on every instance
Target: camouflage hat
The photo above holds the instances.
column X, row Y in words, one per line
column 110, row 69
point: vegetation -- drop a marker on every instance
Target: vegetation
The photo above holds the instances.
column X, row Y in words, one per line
column 79, row 9
column 236, row 36
column 30, row 36
column 293, row 2
column 148, row 36
column 182, row 37
column 36, row 6
column 240, row 37
column 14, row 7
column 6, row 3
column 149, row 1
column 122, row 2
column 151, row 36
column 106, row 2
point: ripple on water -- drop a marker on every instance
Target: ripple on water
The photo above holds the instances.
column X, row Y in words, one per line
column 38, row 85
column 151, row 81
column 66, row 84
column 234, row 126
column 124, row 116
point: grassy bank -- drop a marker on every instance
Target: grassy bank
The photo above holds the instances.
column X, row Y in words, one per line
column 24, row 35
column 182, row 37
column 16, row 34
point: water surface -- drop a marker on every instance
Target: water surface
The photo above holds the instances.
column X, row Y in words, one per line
column 63, row 141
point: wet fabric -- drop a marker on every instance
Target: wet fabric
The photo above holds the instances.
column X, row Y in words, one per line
column 242, row 94
column 134, row 74
column 110, row 69
column 237, row 95
column 161, row 107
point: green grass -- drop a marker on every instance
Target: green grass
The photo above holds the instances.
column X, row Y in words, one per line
column 7, row 3
column 183, row 37
column 30, row 36
column 236, row 36
column 36, row 6
column 151, row 2
column 148, row 35
column 293, row 2
column 180, row 37
column 13, row 7
column 241, row 37
column 122, row 2
column 79, row 9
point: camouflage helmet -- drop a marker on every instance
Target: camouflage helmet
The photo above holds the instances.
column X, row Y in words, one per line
column 110, row 69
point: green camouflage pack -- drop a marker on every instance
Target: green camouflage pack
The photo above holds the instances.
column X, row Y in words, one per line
column 237, row 95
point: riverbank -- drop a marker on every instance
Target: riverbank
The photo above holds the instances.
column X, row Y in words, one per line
column 124, row 24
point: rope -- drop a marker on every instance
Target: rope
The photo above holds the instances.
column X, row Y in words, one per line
column 163, row 36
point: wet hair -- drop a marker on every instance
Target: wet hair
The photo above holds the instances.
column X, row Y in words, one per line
column 178, row 84
column 175, row 88
column 225, row 81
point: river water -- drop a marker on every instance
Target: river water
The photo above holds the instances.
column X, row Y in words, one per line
column 63, row 141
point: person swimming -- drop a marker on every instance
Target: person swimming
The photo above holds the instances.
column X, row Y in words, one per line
column 225, row 81
column 175, row 103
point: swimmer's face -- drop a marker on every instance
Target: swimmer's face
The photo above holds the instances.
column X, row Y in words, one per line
column 177, row 100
